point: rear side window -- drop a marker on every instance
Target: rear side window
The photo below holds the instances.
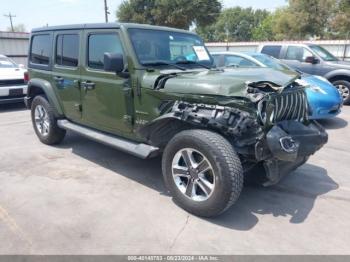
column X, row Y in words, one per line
column 272, row 50
column 40, row 49
column 100, row 44
column 67, row 50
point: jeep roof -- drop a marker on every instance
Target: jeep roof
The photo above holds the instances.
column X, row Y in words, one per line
column 107, row 26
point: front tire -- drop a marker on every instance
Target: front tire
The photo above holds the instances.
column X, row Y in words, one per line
column 202, row 172
column 45, row 122
column 344, row 89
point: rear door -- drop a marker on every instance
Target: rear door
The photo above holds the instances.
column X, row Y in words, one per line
column 106, row 97
column 66, row 72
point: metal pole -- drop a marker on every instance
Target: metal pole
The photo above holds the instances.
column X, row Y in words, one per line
column 10, row 16
column 346, row 46
column 106, row 11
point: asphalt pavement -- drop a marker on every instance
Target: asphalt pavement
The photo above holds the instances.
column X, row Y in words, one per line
column 82, row 197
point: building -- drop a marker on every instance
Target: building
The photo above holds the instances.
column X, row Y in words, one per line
column 15, row 46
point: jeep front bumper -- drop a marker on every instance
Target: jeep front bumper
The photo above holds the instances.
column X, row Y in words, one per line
column 287, row 146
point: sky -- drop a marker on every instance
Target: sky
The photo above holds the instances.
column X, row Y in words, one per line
column 37, row 13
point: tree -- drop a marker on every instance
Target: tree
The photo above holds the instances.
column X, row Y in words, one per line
column 173, row 13
column 234, row 24
column 264, row 31
column 17, row 28
column 304, row 19
column 341, row 21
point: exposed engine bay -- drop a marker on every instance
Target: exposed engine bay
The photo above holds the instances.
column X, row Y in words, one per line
column 277, row 138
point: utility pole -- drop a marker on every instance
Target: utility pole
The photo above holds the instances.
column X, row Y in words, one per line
column 10, row 16
column 106, row 11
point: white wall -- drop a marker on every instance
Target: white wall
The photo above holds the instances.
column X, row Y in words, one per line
column 15, row 46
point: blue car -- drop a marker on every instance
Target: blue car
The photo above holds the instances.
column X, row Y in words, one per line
column 324, row 99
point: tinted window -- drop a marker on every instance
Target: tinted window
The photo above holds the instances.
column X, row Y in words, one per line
column 67, row 50
column 272, row 50
column 297, row 53
column 100, row 44
column 41, row 46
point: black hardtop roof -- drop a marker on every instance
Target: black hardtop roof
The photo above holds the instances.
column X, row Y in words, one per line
column 106, row 26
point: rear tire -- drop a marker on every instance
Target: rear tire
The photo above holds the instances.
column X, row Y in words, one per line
column 344, row 89
column 213, row 179
column 45, row 122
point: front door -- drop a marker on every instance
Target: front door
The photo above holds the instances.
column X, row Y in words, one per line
column 106, row 97
column 66, row 72
column 295, row 57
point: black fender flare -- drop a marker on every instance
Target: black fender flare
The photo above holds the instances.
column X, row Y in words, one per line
column 47, row 89
column 338, row 73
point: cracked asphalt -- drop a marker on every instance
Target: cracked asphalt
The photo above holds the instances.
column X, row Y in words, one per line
column 82, row 197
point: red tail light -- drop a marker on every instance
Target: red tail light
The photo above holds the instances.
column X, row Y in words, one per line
column 26, row 77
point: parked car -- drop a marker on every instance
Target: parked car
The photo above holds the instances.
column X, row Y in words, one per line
column 130, row 86
column 314, row 60
column 13, row 85
column 324, row 99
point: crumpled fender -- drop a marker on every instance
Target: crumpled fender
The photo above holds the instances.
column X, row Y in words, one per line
column 228, row 121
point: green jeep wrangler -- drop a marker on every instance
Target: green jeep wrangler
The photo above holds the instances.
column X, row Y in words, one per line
column 151, row 90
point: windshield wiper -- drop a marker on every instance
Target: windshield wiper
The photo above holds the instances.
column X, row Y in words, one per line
column 184, row 62
column 159, row 63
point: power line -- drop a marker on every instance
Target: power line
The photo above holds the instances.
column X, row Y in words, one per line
column 10, row 16
column 106, row 11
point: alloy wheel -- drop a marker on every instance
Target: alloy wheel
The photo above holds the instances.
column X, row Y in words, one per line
column 193, row 174
column 42, row 120
column 344, row 91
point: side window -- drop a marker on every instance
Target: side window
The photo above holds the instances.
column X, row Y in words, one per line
column 297, row 53
column 40, row 49
column 216, row 59
column 100, row 44
column 67, row 50
column 272, row 50
column 239, row 61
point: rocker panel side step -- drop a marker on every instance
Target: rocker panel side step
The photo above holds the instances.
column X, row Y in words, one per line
column 140, row 150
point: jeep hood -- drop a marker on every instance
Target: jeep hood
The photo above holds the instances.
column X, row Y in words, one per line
column 230, row 82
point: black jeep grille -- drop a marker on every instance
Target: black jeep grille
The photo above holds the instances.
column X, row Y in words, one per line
column 11, row 82
column 288, row 105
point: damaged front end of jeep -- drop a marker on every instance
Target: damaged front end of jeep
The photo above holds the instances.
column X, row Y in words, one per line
column 268, row 126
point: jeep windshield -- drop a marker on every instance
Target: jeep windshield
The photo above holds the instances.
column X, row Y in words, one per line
column 169, row 48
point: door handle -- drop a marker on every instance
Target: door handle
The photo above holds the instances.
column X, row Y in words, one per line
column 88, row 85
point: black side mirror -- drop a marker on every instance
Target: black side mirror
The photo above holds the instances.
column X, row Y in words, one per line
column 113, row 62
column 311, row 60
